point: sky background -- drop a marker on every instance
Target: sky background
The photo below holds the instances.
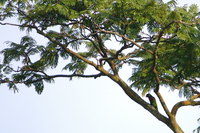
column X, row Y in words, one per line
column 82, row 105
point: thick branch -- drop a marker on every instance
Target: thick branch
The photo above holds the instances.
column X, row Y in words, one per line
column 135, row 97
column 183, row 103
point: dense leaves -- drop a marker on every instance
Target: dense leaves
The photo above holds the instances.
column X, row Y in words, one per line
column 172, row 32
column 160, row 41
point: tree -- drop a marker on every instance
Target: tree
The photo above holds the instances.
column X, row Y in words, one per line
column 160, row 41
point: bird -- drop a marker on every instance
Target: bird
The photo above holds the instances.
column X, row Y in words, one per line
column 152, row 101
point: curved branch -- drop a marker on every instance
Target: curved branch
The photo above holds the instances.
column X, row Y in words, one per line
column 183, row 103
column 114, row 33
column 156, row 55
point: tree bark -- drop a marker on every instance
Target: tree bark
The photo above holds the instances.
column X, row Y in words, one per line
column 170, row 122
column 176, row 127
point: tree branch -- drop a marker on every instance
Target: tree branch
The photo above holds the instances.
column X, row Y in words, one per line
column 114, row 33
column 135, row 97
column 156, row 54
column 183, row 103
column 54, row 76
column 194, row 22
column 76, row 75
column 163, row 103
column 195, row 97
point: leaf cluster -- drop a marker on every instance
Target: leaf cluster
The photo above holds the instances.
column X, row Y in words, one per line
column 177, row 61
column 163, row 40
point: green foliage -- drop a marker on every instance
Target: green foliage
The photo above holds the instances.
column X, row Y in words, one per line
column 77, row 66
column 178, row 54
column 22, row 52
column 167, row 39
column 160, row 41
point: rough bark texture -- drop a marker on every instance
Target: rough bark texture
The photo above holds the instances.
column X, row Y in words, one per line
column 170, row 122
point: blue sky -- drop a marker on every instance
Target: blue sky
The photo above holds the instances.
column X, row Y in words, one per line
column 82, row 105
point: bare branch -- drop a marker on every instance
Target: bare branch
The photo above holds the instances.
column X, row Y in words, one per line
column 163, row 103
column 183, row 103
column 195, row 97
column 54, row 76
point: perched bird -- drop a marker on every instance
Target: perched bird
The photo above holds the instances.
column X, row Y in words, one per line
column 152, row 101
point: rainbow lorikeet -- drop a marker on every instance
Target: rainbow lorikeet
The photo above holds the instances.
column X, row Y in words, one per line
column 152, row 101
